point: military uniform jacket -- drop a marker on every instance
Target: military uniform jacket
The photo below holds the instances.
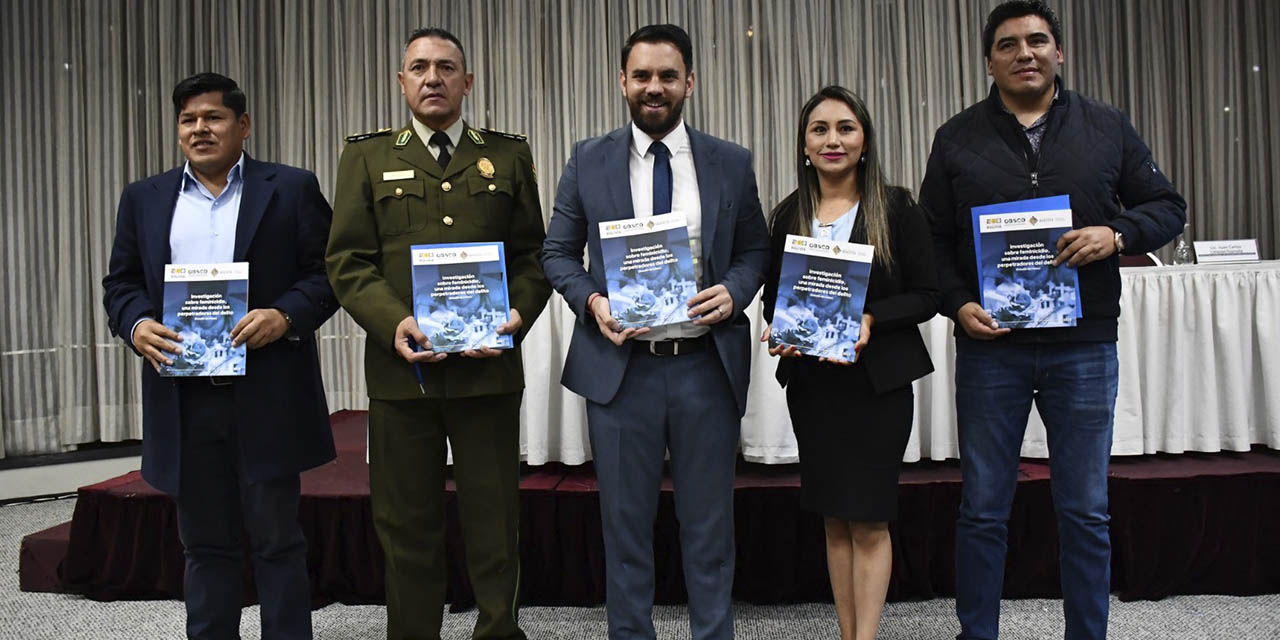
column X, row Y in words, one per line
column 392, row 194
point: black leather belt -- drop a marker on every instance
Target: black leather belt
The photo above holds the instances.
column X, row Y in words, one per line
column 676, row 347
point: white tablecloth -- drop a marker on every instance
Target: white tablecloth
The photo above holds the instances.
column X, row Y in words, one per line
column 1199, row 354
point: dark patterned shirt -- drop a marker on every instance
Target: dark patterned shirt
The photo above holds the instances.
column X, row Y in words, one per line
column 1035, row 132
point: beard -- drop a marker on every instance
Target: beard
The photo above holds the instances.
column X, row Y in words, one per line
column 655, row 124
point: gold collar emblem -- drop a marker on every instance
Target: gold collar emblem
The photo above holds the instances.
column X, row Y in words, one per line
column 485, row 167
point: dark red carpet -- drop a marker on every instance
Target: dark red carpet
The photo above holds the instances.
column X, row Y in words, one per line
column 1194, row 523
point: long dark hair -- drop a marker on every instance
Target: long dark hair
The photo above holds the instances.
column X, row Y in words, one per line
column 874, row 208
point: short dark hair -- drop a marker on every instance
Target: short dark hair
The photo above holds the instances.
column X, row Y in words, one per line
column 1018, row 9
column 232, row 97
column 668, row 33
column 437, row 32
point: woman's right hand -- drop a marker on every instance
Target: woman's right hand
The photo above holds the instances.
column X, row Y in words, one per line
column 782, row 349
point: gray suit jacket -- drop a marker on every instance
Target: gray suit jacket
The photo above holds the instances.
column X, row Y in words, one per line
column 596, row 187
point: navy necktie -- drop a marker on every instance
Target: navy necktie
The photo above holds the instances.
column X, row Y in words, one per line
column 441, row 140
column 661, row 178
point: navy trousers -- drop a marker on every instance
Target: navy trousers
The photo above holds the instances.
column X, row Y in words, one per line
column 216, row 506
column 682, row 405
column 1074, row 386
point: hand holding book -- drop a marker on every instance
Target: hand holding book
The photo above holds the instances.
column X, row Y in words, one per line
column 408, row 334
column 153, row 339
column 507, row 328
column 1079, row 247
column 789, row 351
column 979, row 324
column 711, row 305
column 259, row 328
column 609, row 326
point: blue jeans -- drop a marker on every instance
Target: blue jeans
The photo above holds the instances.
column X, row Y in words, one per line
column 1074, row 387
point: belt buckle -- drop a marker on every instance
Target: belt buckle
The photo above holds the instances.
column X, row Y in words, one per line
column 675, row 348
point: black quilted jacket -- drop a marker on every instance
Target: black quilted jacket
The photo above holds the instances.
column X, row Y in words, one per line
column 1090, row 152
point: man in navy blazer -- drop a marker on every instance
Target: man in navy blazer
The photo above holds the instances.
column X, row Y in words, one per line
column 679, row 388
column 230, row 449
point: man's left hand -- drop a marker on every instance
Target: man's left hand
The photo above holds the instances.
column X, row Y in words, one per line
column 1079, row 247
column 711, row 305
column 509, row 327
column 259, row 328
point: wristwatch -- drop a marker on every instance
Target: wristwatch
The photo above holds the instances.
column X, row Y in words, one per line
column 1119, row 242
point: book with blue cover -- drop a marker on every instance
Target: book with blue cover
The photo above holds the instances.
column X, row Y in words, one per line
column 1015, row 243
column 460, row 295
column 203, row 303
column 822, row 288
column 649, row 268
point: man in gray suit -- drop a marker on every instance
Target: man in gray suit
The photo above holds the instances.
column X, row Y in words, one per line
column 678, row 388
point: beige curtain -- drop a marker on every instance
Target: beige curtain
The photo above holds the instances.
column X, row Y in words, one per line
column 85, row 110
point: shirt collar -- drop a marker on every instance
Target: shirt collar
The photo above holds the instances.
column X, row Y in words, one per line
column 189, row 178
column 454, row 131
column 1057, row 91
column 677, row 140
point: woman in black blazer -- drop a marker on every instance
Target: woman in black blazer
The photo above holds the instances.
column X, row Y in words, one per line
column 852, row 419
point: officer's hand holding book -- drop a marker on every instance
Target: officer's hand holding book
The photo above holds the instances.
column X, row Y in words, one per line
column 152, row 339
column 408, row 333
column 509, row 327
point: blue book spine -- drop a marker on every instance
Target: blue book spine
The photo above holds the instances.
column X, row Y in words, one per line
column 203, row 303
column 649, row 268
column 1015, row 243
column 460, row 295
column 821, row 292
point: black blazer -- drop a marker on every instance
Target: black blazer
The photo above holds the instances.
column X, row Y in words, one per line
column 899, row 300
column 281, row 414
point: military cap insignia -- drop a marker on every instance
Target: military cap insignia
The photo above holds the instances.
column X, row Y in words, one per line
column 510, row 136
column 485, row 166
column 475, row 137
column 404, row 137
column 357, row 137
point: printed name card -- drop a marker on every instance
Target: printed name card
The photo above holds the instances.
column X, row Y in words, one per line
column 1221, row 251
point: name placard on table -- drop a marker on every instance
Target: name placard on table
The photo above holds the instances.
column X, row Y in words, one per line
column 1222, row 251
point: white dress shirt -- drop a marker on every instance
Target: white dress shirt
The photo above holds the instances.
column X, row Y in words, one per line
column 684, row 200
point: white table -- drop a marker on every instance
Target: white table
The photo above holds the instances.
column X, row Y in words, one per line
column 1199, row 358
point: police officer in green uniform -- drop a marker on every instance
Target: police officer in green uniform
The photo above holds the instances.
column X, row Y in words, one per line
column 437, row 180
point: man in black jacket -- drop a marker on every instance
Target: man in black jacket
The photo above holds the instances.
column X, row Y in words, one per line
column 1032, row 138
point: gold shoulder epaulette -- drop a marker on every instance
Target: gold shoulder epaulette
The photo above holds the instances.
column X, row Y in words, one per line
column 357, row 137
column 511, row 136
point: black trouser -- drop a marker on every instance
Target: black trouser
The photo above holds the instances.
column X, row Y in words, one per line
column 215, row 507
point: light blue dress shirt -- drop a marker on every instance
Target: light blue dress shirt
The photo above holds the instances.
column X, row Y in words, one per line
column 204, row 227
column 839, row 229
